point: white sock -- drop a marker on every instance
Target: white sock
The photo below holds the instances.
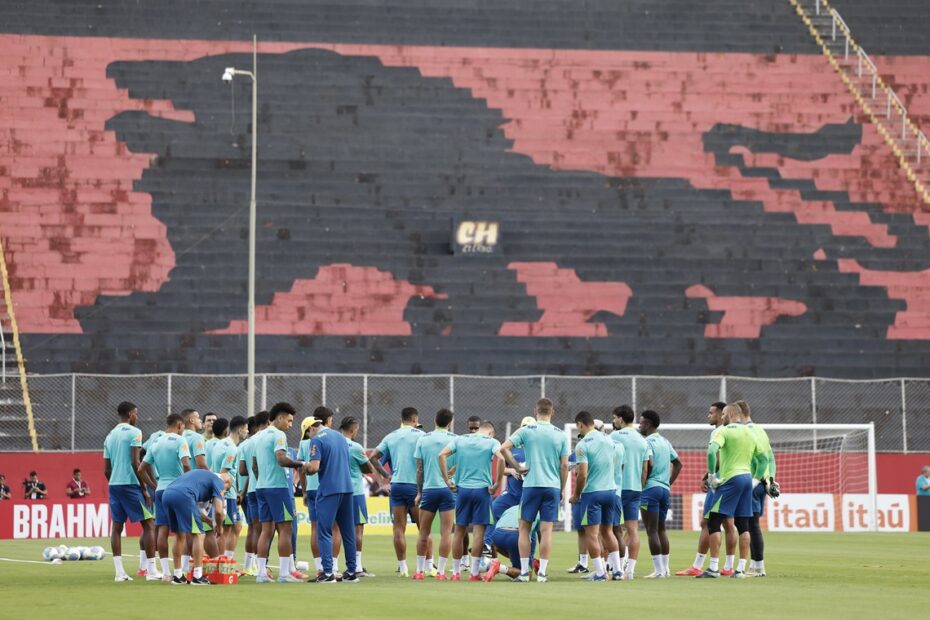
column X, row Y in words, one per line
column 442, row 565
column 292, row 563
column 358, row 561
column 598, row 566
column 657, row 565
column 143, row 560
column 626, row 554
column 178, row 573
column 421, row 563
column 714, row 564
column 699, row 560
column 456, row 566
column 186, row 563
column 524, row 566
column 284, row 565
column 118, row 565
column 150, row 567
column 198, row 572
column 760, row 565
column 741, row 567
column 475, row 565
column 336, row 563
column 318, row 564
column 249, row 560
column 402, row 565
column 583, row 559
column 543, row 565
column 665, row 563
column 165, row 566
column 262, row 566
column 728, row 565
column 630, row 567
column 614, row 560
column 231, row 554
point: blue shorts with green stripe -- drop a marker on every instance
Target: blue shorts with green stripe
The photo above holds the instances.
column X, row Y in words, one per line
column 275, row 505
column 473, row 507
column 361, row 509
column 128, row 504
column 597, row 507
column 183, row 514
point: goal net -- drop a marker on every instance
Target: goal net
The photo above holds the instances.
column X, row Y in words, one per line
column 826, row 473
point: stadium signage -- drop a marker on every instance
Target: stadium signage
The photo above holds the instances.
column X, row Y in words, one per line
column 476, row 237
column 24, row 520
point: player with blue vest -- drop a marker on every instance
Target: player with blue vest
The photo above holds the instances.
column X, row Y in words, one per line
column 596, row 492
column 275, row 500
column 736, row 447
column 165, row 461
column 513, row 489
column 358, row 465
column 663, row 469
column 329, row 458
column 545, row 473
column 186, row 501
column 322, row 418
column 636, row 454
column 474, row 484
column 129, row 499
column 399, row 447
column 435, row 495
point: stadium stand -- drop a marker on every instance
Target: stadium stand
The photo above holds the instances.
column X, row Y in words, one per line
column 681, row 189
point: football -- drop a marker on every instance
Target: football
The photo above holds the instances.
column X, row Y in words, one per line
column 72, row 554
column 50, row 553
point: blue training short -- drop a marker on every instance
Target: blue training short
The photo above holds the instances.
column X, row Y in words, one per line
column 656, row 499
column 161, row 514
column 403, row 494
column 540, row 501
column 576, row 518
column 232, row 513
column 508, row 541
column 128, row 504
column 310, row 503
column 361, row 509
column 758, row 499
column 630, row 501
column 252, row 500
column 183, row 514
column 473, row 507
column 597, row 507
column 437, row 500
column 275, row 505
column 733, row 498
column 618, row 510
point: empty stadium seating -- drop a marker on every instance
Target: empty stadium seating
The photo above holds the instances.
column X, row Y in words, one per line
column 681, row 188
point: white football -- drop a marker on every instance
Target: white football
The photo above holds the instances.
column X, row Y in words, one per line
column 303, row 565
column 96, row 553
column 62, row 549
column 50, row 553
column 73, row 554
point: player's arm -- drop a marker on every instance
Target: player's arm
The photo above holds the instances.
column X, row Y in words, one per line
column 70, row 492
column 563, row 472
column 255, row 467
column 146, row 475
column 676, row 469
column 506, row 453
column 581, row 477
column 375, row 460
column 713, row 448
column 420, row 477
column 498, row 465
column 286, row 461
column 647, row 469
column 219, row 509
column 200, row 461
column 444, row 467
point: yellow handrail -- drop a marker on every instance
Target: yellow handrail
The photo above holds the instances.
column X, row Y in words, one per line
column 923, row 144
column 24, row 384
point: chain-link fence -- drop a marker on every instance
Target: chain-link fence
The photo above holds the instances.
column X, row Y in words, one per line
column 75, row 412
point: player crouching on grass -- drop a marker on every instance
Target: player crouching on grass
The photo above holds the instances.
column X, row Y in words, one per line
column 185, row 501
column 506, row 541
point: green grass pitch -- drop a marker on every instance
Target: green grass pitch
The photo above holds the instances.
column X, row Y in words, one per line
column 814, row 576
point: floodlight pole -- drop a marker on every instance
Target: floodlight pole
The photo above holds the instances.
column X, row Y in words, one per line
column 228, row 75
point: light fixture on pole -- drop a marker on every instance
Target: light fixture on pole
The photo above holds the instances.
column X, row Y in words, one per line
column 228, row 76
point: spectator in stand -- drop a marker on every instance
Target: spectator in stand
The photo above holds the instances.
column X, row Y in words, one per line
column 35, row 488
column 923, row 481
column 78, row 487
column 4, row 489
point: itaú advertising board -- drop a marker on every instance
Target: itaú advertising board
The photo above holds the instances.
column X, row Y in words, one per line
column 51, row 519
column 827, row 512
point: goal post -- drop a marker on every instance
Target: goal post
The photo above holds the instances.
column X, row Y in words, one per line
column 827, row 474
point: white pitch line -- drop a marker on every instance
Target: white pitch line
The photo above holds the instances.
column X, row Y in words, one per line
column 23, row 561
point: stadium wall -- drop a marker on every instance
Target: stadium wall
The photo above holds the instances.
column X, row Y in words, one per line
column 618, row 146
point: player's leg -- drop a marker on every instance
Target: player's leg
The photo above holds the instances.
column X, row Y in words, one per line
column 581, row 566
column 282, row 507
column 664, row 545
column 197, row 549
column 399, row 518
column 742, row 520
column 548, row 514
column 481, row 516
column 756, row 539
column 610, row 546
column 360, row 513
column 426, row 524
column 462, row 517
column 266, row 533
column 591, row 521
column 631, row 502
column 337, row 546
column 345, row 517
column 447, row 525
column 326, row 507
column 116, row 548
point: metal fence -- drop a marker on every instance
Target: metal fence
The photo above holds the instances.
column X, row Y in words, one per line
column 75, row 411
